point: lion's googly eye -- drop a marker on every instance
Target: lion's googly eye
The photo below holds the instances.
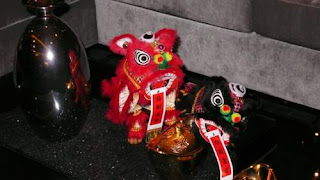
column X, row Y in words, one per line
column 141, row 57
column 217, row 98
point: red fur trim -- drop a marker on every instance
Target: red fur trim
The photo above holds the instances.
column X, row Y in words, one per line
column 170, row 115
column 123, row 78
column 114, row 43
column 113, row 113
column 143, row 101
column 114, row 116
column 141, row 119
column 109, row 88
column 166, row 37
column 176, row 61
column 106, row 88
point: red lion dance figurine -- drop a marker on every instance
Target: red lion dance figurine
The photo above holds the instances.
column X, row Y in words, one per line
column 144, row 90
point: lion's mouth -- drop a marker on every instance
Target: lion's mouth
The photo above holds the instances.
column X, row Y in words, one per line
column 165, row 80
column 159, row 84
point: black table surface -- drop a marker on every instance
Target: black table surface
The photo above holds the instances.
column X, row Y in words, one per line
column 282, row 134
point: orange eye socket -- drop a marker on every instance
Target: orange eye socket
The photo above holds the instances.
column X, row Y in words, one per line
column 225, row 109
column 236, row 117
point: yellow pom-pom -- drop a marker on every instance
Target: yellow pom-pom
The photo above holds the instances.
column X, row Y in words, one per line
column 225, row 109
column 158, row 59
column 168, row 56
column 236, row 117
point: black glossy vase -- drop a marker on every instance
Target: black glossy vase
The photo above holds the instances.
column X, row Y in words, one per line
column 52, row 75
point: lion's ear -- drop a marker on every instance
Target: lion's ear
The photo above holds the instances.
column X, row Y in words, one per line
column 167, row 37
column 120, row 43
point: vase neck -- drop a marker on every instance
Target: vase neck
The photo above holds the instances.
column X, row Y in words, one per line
column 44, row 11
